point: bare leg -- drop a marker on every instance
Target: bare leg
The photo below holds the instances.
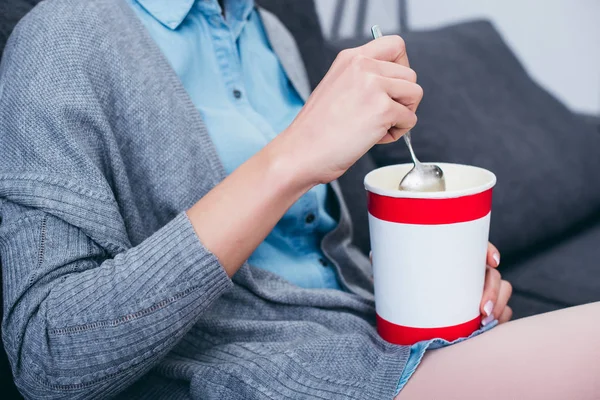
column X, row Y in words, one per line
column 549, row 356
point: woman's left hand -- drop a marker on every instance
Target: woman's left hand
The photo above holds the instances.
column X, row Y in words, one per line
column 496, row 291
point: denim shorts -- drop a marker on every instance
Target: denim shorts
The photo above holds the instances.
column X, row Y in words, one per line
column 417, row 351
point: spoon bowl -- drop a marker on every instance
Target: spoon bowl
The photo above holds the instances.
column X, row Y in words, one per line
column 429, row 178
column 422, row 177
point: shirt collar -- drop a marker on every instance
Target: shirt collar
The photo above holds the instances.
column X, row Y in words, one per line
column 171, row 13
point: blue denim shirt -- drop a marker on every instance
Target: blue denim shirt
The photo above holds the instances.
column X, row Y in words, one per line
column 237, row 83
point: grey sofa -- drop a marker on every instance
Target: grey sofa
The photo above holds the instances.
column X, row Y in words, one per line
column 550, row 247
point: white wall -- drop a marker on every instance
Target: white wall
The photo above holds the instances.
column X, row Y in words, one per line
column 558, row 41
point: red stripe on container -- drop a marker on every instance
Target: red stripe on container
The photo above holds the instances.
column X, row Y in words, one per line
column 430, row 211
column 406, row 335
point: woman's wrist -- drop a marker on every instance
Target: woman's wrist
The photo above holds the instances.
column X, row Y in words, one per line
column 288, row 164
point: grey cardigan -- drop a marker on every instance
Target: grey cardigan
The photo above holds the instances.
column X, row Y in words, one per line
column 107, row 289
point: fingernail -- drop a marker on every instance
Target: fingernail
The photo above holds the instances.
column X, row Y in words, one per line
column 488, row 307
column 487, row 320
column 496, row 258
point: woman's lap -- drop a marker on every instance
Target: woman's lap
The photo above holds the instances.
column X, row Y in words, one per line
column 553, row 355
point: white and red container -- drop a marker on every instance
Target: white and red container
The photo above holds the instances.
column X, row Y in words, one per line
column 429, row 253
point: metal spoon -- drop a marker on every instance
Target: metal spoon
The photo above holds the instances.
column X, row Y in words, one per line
column 422, row 177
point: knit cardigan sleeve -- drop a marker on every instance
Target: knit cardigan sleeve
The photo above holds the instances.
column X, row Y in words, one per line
column 85, row 312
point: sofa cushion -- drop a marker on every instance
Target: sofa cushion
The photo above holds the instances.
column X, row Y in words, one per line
column 558, row 275
column 593, row 120
column 482, row 108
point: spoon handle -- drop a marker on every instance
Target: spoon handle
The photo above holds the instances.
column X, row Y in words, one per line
column 410, row 148
column 376, row 32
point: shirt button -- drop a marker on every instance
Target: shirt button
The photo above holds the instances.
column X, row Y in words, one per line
column 323, row 262
column 310, row 218
column 237, row 93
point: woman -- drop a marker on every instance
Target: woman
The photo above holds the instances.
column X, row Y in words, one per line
column 149, row 149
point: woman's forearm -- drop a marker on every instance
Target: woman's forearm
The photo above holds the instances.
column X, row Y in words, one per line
column 236, row 216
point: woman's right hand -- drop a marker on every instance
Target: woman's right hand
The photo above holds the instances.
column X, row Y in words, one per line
column 368, row 96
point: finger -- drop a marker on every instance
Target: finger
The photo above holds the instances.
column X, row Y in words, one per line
column 503, row 297
column 401, row 120
column 386, row 48
column 506, row 315
column 389, row 69
column 491, row 291
column 407, row 93
column 393, row 135
column 493, row 256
